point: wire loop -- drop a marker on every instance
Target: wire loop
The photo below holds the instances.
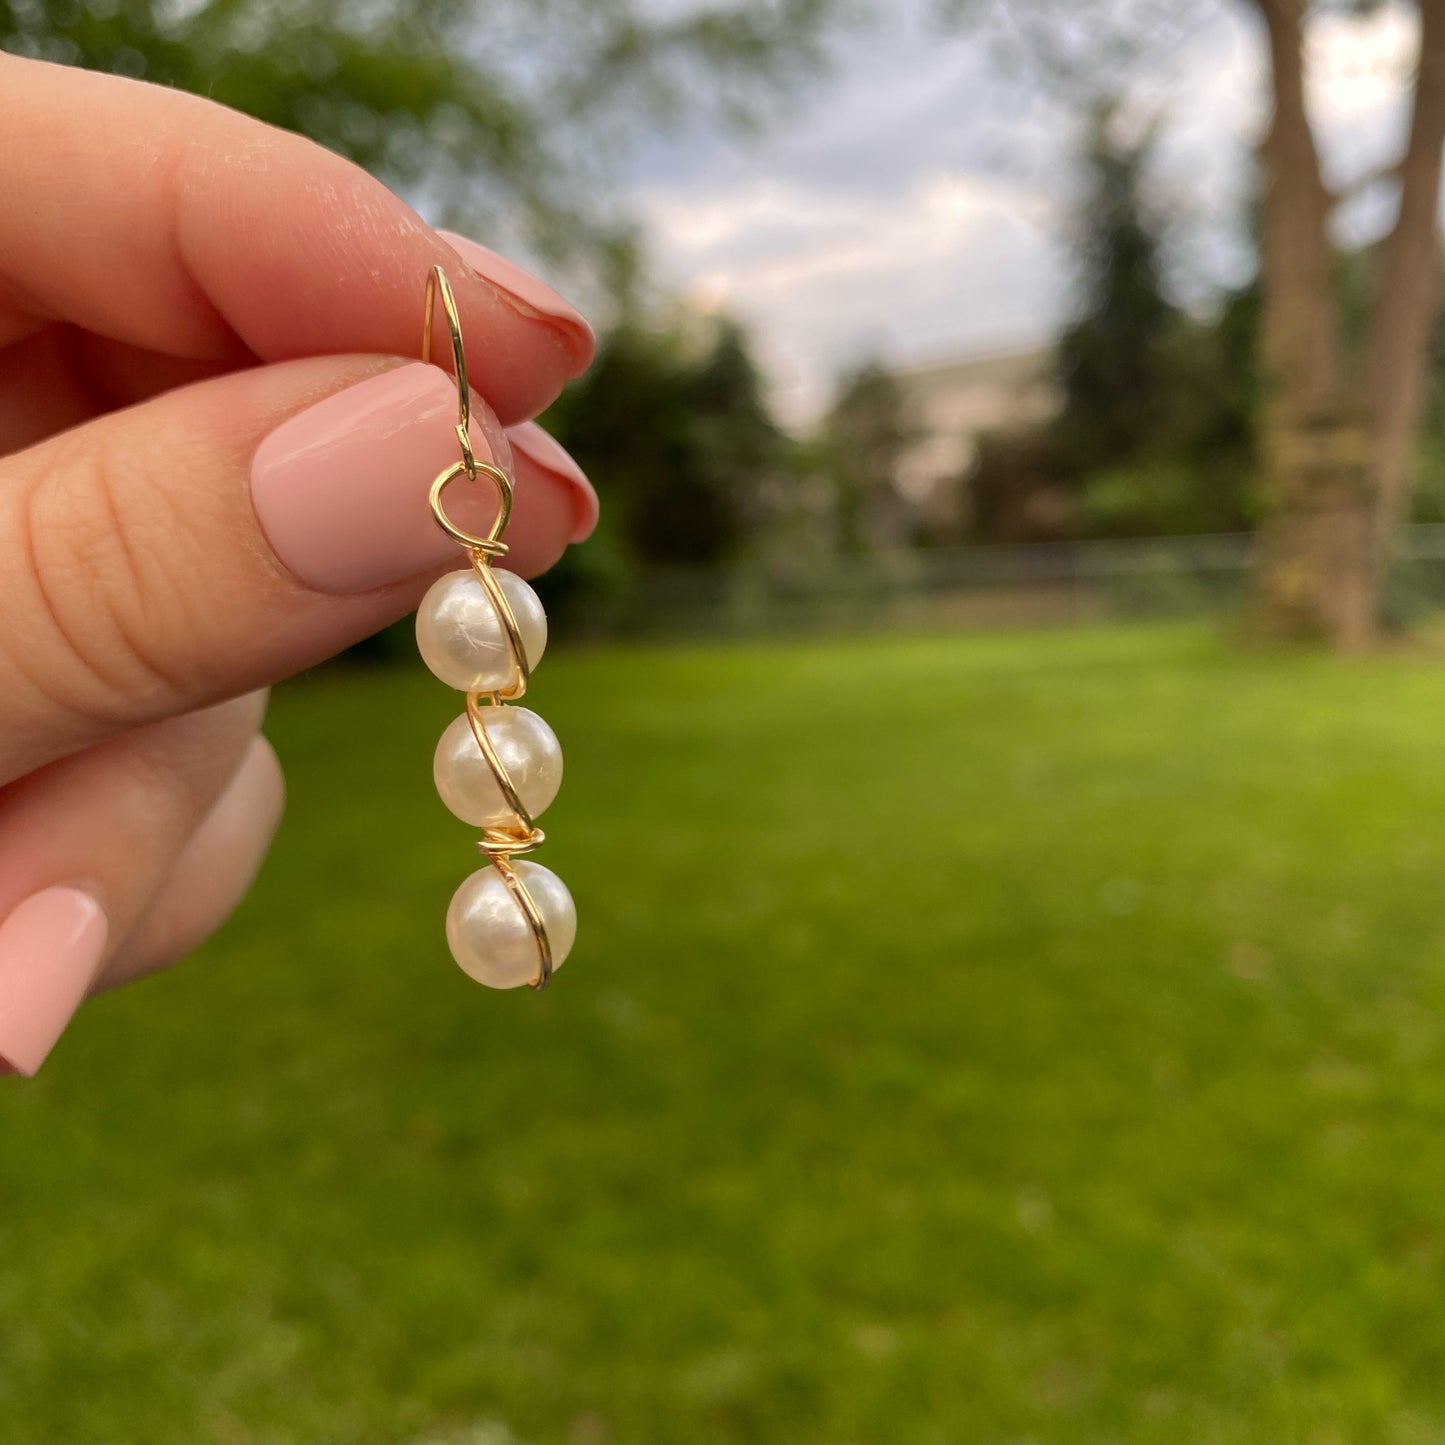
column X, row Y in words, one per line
column 491, row 545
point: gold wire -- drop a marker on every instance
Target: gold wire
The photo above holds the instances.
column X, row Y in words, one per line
column 437, row 281
column 476, row 717
column 505, row 843
column 499, row 845
column 528, row 905
column 521, row 668
column 492, row 544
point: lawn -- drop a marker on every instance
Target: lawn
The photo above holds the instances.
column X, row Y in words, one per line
column 988, row 1039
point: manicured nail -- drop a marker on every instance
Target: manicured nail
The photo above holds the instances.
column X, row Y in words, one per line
column 340, row 489
column 50, row 948
column 545, row 451
column 532, row 296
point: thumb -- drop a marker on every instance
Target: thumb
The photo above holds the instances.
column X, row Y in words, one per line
column 222, row 536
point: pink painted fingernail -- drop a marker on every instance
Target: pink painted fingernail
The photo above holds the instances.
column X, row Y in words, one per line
column 544, row 450
column 340, row 489
column 534, row 297
column 50, row 949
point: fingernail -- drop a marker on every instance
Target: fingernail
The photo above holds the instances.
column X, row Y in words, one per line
column 50, row 948
column 534, row 297
column 340, row 489
column 545, row 451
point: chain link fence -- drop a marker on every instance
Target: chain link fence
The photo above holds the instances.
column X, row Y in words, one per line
column 974, row 587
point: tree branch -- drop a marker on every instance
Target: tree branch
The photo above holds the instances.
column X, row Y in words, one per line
column 1351, row 190
column 1301, row 326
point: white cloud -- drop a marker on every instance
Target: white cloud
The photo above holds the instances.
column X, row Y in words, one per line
column 913, row 209
column 827, row 278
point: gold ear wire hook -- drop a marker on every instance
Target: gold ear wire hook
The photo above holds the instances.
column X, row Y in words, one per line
column 490, row 545
column 437, row 281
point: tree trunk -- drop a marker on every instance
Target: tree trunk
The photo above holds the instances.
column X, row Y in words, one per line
column 1314, row 563
column 1398, row 349
column 1336, row 451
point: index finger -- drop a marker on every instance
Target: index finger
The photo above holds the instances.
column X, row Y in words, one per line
column 166, row 222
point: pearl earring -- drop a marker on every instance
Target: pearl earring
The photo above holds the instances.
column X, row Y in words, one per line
column 481, row 630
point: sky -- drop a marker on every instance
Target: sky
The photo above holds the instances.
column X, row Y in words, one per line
column 914, row 204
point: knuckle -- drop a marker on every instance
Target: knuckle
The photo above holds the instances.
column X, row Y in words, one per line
column 97, row 586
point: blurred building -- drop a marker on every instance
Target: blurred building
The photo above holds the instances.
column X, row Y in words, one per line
column 947, row 407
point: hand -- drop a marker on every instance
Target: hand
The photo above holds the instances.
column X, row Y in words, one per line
column 213, row 469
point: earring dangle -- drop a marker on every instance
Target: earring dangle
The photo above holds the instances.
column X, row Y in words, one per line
column 481, row 630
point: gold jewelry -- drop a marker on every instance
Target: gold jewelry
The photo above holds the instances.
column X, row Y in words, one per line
column 481, row 630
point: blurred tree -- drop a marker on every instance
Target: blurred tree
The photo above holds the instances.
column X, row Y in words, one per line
column 1338, row 427
column 1337, row 423
column 1118, row 364
column 1157, row 404
column 740, row 444
column 500, row 116
column 672, row 426
column 1021, row 489
column 1153, row 433
column 865, row 436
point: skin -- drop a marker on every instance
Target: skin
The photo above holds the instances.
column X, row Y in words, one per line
column 175, row 281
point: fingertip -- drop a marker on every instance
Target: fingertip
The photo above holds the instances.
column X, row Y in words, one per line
column 201, row 234
column 535, row 448
column 542, row 522
column 268, row 777
column 531, row 296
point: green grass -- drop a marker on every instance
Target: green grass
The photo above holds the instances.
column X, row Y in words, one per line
column 1030, row 1038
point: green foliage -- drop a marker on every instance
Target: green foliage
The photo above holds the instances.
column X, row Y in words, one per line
column 1198, row 474
column 1156, row 430
column 737, row 440
column 1150, row 499
column 505, row 114
column 1117, row 364
column 671, row 425
column 1018, row 487
column 864, row 437
column 1106, row 1111
column 586, row 590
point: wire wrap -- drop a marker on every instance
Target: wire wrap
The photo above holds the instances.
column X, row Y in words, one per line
column 500, row 845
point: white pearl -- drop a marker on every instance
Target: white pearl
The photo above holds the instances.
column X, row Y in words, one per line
column 489, row 935
column 528, row 751
column 463, row 640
